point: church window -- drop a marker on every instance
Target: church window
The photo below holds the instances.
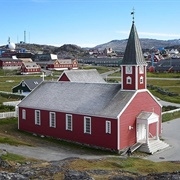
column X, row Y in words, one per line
column 128, row 69
column 87, row 125
column 141, row 69
column 52, row 119
column 108, row 127
column 128, row 80
column 141, row 80
column 37, row 117
column 69, row 122
column 23, row 114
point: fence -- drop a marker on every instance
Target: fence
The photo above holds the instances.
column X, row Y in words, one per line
column 11, row 103
column 8, row 114
column 171, row 111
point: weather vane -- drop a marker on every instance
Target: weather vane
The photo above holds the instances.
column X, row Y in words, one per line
column 132, row 13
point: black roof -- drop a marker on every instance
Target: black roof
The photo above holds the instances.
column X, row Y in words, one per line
column 133, row 54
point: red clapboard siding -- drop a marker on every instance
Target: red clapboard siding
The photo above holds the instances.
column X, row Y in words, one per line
column 64, row 78
column 142, row 102
column 98, row 137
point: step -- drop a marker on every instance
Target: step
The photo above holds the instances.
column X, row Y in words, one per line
column 153, row 146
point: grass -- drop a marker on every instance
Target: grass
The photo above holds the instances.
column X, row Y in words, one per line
column 13, row 159
column 9, row 133
column 163, row 75
column 170, row 116
column 100, row 69
column 173, row 99
column 132, row 164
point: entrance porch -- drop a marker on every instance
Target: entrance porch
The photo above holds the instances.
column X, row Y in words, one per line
column 149, row 143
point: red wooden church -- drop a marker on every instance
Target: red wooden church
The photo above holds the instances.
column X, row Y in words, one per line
column 105, row 115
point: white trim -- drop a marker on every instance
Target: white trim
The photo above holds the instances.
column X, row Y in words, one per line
column 136, row 92
column 67, row 122
column 136, row 77
column 118, row 133
column 36, row 122
column 61, row 75
column 85, row 124
column 18, row 116
column 128, row 69
column 154, row 97
column 16, row 85
column 108, row 127
column 122, row 77
column 23, row 114
column 128, row 80
column 141, row 69
column 141, row 80
column 51, row 119
column 145, row 76
column 126, row 105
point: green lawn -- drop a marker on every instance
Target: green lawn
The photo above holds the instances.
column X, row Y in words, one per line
column 10, row 80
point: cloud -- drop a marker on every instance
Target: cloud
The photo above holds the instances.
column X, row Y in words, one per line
column 150, row 34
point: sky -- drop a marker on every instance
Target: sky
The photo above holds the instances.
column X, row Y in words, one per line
column 87, row 23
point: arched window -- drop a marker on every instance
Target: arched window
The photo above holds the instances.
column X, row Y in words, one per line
column 128, row 80
column 141, row 80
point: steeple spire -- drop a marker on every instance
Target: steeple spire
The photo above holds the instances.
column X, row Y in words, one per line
column 133, row 54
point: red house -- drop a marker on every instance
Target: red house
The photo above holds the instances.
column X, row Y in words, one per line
column 104, row 115
column 62, row 64
column 10, row 63
column 30, row 68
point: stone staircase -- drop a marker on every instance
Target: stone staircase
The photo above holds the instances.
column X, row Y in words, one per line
column 153, row 146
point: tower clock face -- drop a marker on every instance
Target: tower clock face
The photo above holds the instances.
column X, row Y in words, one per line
column 128, row 69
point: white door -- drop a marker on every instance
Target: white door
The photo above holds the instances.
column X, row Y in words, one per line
column 141, row 132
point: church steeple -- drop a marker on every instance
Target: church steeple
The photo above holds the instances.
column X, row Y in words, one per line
column 133, row 54
column 133, row 66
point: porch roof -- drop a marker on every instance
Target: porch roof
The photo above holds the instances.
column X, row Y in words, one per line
column 147, row 117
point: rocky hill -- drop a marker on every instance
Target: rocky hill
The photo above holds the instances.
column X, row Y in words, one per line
column 119, row 45
column 69, row 51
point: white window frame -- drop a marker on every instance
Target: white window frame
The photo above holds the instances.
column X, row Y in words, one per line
column 37, row 118
column 23, row 84
column 128, row 69
column 108, row 127
column 69, row 122
column 87, row 125
column 141, row 80
column 141, row 69
column 128, row 80
column 23, row 114
column 52, row 119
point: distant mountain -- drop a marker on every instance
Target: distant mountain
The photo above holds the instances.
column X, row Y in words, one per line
column 119, row 45
column 74, row 51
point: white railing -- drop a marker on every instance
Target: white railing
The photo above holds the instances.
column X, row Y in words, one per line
column 8, row 114
column 171, row 111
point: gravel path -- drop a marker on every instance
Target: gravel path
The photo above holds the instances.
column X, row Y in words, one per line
column 48, row 153
column 171, row 136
